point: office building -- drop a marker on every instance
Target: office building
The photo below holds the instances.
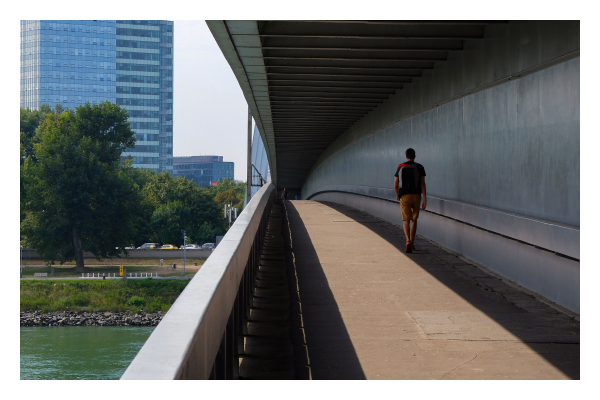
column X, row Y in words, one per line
column 204, row 170
column 128, row 62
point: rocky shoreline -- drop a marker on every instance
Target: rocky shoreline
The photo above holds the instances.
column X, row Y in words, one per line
column 81, row 318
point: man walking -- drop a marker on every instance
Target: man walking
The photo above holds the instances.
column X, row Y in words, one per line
column 409, row 184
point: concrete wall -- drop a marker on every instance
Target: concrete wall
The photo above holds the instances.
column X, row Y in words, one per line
column 497, row 129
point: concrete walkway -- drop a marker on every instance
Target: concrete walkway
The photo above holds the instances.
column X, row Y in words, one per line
column 370, row 311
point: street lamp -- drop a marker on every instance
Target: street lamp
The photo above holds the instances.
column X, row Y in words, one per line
column 184, row 243
column 228, row 210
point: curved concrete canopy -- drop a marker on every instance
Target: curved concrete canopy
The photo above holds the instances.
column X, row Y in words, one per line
column 307, row 82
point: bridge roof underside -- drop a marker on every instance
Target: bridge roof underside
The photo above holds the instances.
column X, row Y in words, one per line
column 308, row 82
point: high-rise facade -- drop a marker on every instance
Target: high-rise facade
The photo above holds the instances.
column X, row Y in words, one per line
column 128, row 62
column 203, row 170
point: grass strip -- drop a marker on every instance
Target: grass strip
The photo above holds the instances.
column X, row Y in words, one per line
column 149, row 295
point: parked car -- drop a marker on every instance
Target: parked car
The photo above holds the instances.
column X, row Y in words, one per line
column 210, row 246
column 168, row 247
column 149, row 246
column 192, row 246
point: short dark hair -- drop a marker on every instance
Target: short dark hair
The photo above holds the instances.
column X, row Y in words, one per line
column 410, row 153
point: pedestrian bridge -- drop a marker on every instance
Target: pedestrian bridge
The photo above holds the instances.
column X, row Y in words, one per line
column 320, row 288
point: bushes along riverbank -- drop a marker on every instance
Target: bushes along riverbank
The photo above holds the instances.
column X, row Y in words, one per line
column 149, row 295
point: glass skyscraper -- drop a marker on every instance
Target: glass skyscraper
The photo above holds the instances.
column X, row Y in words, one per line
column 128, row 62
column 203, row 170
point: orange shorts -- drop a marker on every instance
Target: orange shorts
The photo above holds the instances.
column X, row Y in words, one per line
column 410, row 204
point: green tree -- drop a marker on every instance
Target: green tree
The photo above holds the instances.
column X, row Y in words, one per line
column 168, row 220
column 227, row 184
column 30, row 121
column 79, row 195
column 141, row 176
column 181, row 204
column 230, row 196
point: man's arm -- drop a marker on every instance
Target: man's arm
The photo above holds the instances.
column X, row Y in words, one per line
column 396, row 183
column 424, row 190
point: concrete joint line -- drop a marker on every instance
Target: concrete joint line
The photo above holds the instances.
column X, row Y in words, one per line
column 445, row 373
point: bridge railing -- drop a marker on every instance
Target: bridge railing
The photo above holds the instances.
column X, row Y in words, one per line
column 201, row 335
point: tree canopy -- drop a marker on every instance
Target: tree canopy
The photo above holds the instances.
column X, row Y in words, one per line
column 229, row 191
column 30, row 121
column 78, row 196
column 181, row 204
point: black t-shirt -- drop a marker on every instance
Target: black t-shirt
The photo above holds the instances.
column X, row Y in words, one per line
column 408, row 190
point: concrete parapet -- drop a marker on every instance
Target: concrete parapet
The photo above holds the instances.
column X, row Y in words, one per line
column 185, row 344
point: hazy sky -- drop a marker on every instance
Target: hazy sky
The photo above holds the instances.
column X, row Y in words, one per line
column 209, row 110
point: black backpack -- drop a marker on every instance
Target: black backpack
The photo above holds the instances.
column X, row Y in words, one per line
column 409, row 177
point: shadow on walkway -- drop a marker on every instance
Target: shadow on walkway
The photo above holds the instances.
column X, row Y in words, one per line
column 552, row 335
column 320, row 315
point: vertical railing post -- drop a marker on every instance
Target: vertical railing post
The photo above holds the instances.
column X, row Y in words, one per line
column 250, row 286
column 239, row 301
column 212, row 372
column 243, row 300
column 220, row 359
column 230, row 345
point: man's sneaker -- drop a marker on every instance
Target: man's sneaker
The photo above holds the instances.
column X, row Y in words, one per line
column 408, row 247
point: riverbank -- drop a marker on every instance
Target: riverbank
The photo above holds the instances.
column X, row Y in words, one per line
column 93, row 266
column 100, row 296
column 81, row 318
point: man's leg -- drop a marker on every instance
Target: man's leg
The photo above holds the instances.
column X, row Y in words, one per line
column 406, row 218
column 413, row 233
column 407, row 229
column 406, row 224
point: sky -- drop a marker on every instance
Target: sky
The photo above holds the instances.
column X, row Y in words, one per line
column 210, row 113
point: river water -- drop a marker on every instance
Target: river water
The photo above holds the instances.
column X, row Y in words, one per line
column 79, row 352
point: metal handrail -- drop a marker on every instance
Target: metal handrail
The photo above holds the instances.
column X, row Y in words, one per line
column 200, row 335
column 262, row 180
